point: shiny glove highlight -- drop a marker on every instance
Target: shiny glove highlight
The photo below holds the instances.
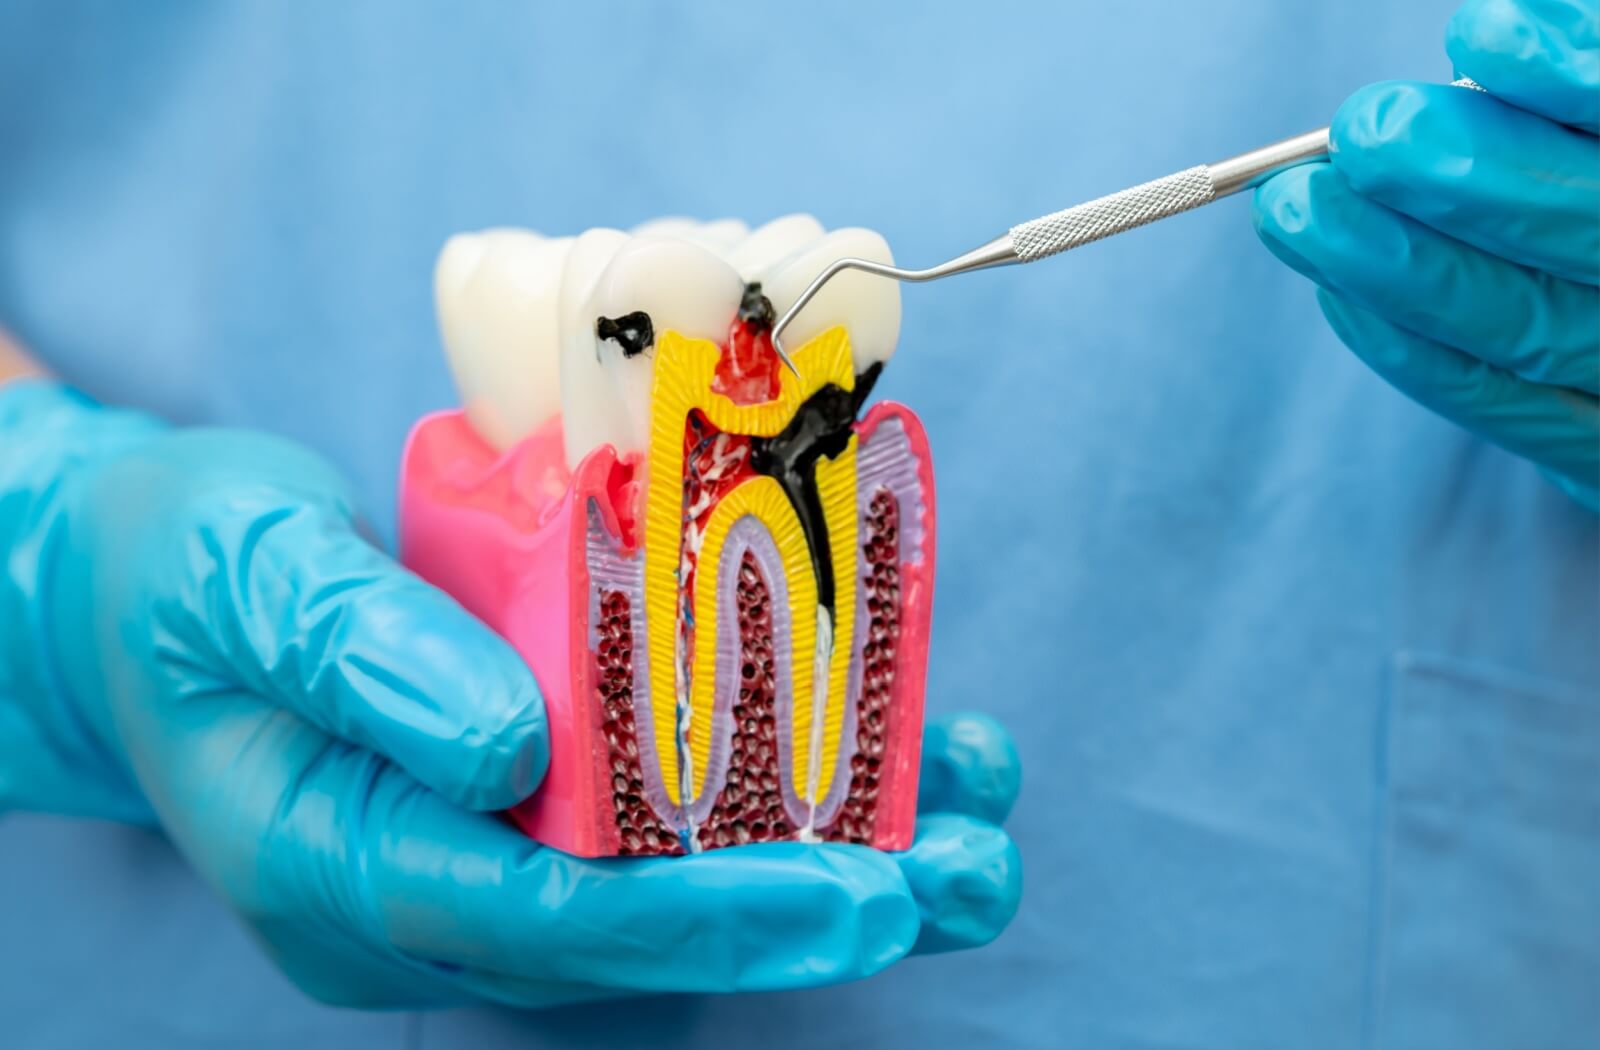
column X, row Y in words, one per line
column 1456, row 234
column 197, row 637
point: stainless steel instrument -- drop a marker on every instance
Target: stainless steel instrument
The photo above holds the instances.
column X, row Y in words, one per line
column 1095, row 220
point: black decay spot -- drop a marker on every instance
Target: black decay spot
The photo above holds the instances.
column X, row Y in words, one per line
column 756, row 308
column 633, row 332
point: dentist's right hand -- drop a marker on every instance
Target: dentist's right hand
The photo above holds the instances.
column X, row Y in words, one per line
column 1455, row 235
column 193, row 635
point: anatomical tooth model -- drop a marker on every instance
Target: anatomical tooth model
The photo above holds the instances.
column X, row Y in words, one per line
column 720, row 572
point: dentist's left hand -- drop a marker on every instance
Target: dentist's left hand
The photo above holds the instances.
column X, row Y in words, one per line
column 193, row 635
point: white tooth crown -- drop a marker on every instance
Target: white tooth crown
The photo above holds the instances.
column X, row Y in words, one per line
column 772, row 243
column 683, row 288
column 518, row 314
column 495, row 293
column 590, row 416
column 868, row 306
column 719, row 236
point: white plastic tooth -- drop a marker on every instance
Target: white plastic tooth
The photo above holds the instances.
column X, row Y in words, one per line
column 666, row 226
column 591, row 415
column 495, row 293
column 771, row 243
column 720, row 236
column 684, row 288
column 867, row 306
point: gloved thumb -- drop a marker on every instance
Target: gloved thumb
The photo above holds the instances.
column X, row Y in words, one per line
column 248, row 562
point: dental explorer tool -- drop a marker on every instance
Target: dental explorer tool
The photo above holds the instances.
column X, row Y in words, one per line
column 1097, row 219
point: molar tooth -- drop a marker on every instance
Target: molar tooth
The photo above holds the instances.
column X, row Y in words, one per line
column 666, row 226
column 867, row 306
column 591, row 415
column 495, row 293
column 720, row 235
column 682, row 287
column 771, row 243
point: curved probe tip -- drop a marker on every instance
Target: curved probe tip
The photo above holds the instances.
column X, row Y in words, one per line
column 784, row 357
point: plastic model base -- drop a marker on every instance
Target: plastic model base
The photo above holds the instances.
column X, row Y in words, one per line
column 710, row 679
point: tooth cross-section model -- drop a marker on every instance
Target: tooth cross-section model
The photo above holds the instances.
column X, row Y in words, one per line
column 721, row 573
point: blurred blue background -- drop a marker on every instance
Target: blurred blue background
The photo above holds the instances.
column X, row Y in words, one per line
column 1273, row 639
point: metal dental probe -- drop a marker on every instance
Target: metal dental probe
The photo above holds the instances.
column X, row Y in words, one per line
column 1097, row 219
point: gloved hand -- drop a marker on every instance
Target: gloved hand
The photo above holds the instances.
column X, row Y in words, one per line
column 1456, row 234
column 195, row 636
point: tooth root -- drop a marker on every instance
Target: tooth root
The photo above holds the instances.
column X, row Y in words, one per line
column 771, row 243
column 495, row 294
column 867, row 306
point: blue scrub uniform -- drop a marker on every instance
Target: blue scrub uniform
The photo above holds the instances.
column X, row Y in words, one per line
column 1305, row 679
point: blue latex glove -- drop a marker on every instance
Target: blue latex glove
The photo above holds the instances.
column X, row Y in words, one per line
column 1456, row 234
column 194, row 636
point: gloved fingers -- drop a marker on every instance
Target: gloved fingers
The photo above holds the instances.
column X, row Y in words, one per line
column 966, row 876
column 1477, row 169
column 302, row 610
column 1540, row 327
column 969, row 766
column 468, row 890
column 246, row 561
column 338, row 859
column 1541, row 55
column 368, row 651
column 1555, row 427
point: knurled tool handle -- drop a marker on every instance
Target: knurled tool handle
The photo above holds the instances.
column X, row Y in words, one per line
column 1164, row 197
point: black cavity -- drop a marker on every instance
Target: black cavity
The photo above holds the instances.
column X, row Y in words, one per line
column 756, row 308
column 633, row 332
column 820, row 428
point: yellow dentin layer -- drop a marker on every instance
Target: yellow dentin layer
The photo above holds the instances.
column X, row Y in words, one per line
column 683, row 376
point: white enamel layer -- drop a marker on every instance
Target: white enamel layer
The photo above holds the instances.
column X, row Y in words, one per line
column 720, row 236
column 685, row 288
column 867, row 306
column 495, row 293
column 590, row 415
column 770, row 244
column 518, row 313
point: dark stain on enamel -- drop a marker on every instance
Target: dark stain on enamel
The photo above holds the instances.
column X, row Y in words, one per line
column 634, row 332
column 755, row 308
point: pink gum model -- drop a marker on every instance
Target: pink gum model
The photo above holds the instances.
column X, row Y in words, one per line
column 549, row 559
